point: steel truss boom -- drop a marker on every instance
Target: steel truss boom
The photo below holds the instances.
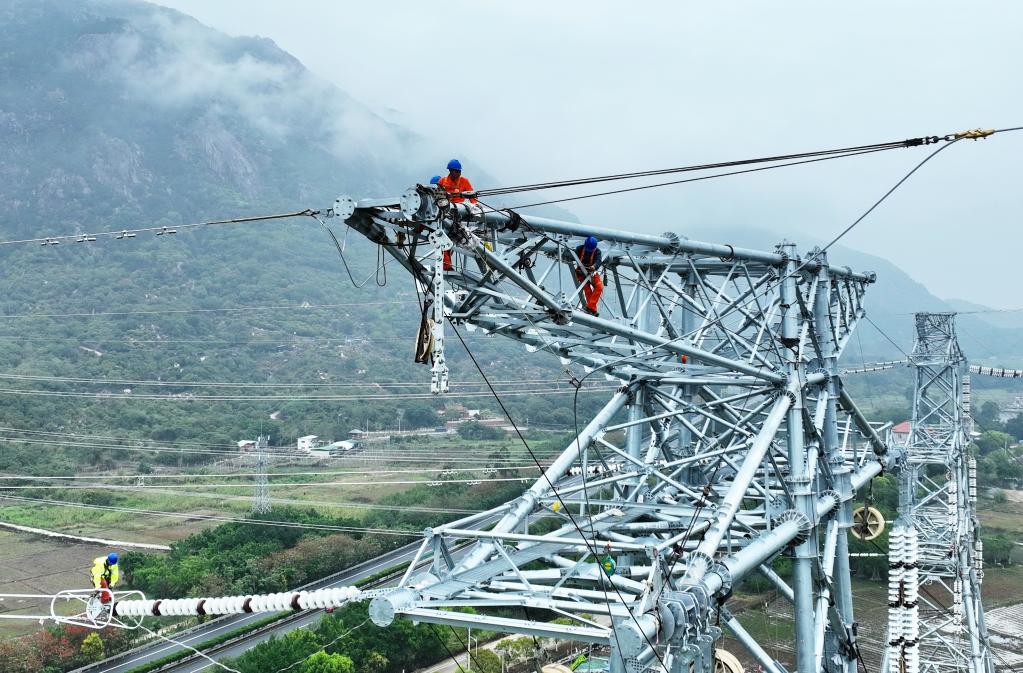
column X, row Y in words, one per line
column 732, row 440
column 728, row 442
column 936, row 619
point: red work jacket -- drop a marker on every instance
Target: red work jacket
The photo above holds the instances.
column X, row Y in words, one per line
column 450, row 186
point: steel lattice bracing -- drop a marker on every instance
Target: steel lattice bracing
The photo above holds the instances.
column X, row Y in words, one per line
column 261, row 494
column 729, row 442
column 936, row 620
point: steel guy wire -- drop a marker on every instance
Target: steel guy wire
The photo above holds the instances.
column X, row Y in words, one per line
column 246, row 475
column 698, row 167
column 885, row 335
column 225, row 384
column 400, row 456
column 209, row 517
column 277, row 398
column 158, row 230
column 687, row 180
column 225, row 309
column 324, row 647
column 286, row 484
column 213, row 662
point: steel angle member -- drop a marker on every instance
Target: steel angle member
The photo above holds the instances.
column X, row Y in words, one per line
column 440, row 239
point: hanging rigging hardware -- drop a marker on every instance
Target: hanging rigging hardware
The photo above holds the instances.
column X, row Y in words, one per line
column 973, row 134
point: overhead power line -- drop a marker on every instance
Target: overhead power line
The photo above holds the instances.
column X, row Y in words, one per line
column 224, row 309
column 246, row 475
column 127, row 234
column 832, row 153
column 225, row 384
column 191, row 516
column 285, row 398
column 285, row 484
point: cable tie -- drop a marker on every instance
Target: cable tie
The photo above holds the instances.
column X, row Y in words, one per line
column 125, row 234
column 165, row 230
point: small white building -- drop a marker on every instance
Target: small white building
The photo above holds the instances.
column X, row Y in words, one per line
column 306, row 444
column 338, row 447
column 246, row 445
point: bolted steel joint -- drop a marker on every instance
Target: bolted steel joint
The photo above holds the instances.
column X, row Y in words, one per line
column 725, row 574
column 383, row 609
column 804, row 525
column 675, row 245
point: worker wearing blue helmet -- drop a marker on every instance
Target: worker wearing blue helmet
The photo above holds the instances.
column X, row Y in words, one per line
column 455, row 184
column 589, row 273
column 105, row 574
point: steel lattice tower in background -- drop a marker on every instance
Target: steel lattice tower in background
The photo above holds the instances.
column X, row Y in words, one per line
column 261, row 492
column 936, row 619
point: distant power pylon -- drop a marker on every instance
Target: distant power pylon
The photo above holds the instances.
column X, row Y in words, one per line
column 261, row 494
column 936, row 619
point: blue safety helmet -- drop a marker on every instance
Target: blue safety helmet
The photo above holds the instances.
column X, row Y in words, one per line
column 591, row 243
column 454, row 165
column 112, row 558
column 435, row 179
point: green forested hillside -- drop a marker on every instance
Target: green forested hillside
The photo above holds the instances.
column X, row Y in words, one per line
column 118, row 114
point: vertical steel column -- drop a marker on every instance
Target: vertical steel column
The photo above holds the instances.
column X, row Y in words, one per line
column 841, row 577
column 936, row 523
column 799, row 478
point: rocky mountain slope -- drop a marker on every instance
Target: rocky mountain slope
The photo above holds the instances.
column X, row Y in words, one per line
column 118, row 114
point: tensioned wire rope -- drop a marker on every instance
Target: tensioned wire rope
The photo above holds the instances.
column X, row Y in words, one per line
column 249, row 475
column 811, row 258
column 238, row 497
column 288, row 451
column 208, row 517
column 395, row 455
column 279, row 398
column 398, row 456
column 226, row 384
column 287, row 484
column 950, row 140
column 223, row 309
column 912, row 142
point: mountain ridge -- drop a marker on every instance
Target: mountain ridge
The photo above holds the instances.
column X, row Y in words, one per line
column 116, row 114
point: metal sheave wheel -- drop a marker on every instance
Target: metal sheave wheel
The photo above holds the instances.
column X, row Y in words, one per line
column 726, row 662
column 868, row 523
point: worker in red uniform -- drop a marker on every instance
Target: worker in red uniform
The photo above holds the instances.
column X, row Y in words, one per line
column 589, row 273
column 454, row 184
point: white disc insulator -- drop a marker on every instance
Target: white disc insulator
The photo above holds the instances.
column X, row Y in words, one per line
column 868, row 523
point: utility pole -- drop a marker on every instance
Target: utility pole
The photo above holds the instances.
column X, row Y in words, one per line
column 261, row 493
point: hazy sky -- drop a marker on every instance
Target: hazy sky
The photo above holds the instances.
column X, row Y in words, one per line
column 533, row 91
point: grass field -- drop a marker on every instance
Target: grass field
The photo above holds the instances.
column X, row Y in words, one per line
column 34, row 565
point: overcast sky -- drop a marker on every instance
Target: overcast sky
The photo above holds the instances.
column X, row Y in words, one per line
column 532, row 91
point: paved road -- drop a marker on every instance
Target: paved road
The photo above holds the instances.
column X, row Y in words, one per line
column 219, row 627
column 197, row 635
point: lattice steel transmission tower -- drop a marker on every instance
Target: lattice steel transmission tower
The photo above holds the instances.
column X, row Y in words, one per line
column 729, row 442
column 936, row 618
column 261, row 493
